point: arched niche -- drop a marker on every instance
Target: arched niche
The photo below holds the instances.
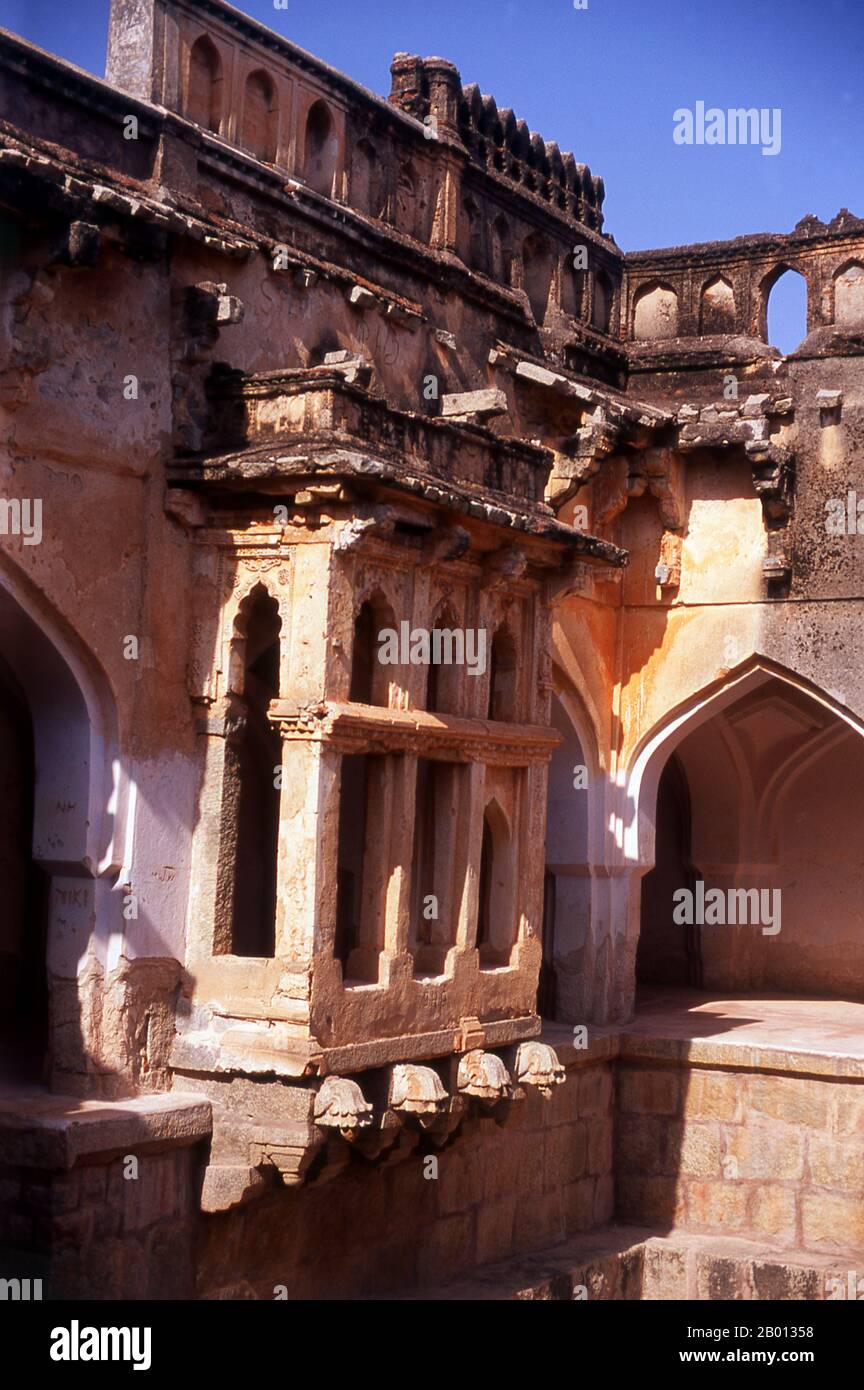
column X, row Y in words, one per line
column 849, row 296
column 321, row 149
column 567, row 879
column 496, row 910
column 248, row 846
column 204, row 85
column 444, row 681
column 370, row 676
column 655, row 312
column 537, row 268
column 260, row 128
column 717, row 307
column 502, row 250
column 601, row 309
column 366, row 179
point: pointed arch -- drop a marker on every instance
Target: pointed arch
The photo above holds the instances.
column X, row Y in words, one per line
column 638, row 781
column 260, row 116
column 717, row 306
column 204, row 84
column 496, row 908
column 320, row 149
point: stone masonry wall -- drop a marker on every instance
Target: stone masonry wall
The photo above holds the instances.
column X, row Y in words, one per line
column 95, row 1232
column 773, row 1158
column 543, row 1175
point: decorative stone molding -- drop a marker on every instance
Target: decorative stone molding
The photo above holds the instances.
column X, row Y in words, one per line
column 416, row 1091
column 340, row 1104
column 537, row 1065
column 483, row 1076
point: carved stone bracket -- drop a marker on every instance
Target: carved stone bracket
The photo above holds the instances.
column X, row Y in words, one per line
column 773, row 479
column 483, row 1076
column 340, row 1104
column 536, row 1064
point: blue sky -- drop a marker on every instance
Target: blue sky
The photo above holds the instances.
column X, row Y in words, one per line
column 605, row 82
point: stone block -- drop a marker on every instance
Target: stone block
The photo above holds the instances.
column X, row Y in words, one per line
column 716, row 1206
column 595, row 1091
column 488, row 402
column 579, row 1202
column 447, row 1249
column 565, row 1154
column 649, row 1091
column 664, row 1272
column 831, row 1220
column 848, row 1109
column 640, row 1145
column 772, row 1211
column 775, row 1280
column 720, row 1278
column 836, row 1163
column 600, row 1147
column 495, row 1223
column 711, row 1095
column 795, row 1100
column 766, row 1152
column 539, row 1221
column 645, row 1200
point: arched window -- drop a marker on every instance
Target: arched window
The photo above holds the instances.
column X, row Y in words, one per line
column 204, row 92
column 503, row 675
column 321, row 149
column 406, row 200
column 362, row 863
column 537, row 274
column 601, row 313
column 260, row 116
column 785, row 309
column 370, row 677
column 250, row 827
column 502, row 251
column 472, row 252
column 438, row 862
column 495, row 908
column 366, row 179
column 443, row 684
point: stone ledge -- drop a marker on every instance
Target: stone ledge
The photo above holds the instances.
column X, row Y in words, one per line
column 40, row 1130
column 633, row 1262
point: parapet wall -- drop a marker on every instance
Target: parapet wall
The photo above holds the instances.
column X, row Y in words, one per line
column 721, row 288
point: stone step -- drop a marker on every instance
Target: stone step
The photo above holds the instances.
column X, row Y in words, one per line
column 628, row 1263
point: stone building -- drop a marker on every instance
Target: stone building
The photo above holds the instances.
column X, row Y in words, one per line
column 341, row 977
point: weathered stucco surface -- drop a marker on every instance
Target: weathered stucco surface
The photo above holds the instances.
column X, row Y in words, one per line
column 278, row 359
